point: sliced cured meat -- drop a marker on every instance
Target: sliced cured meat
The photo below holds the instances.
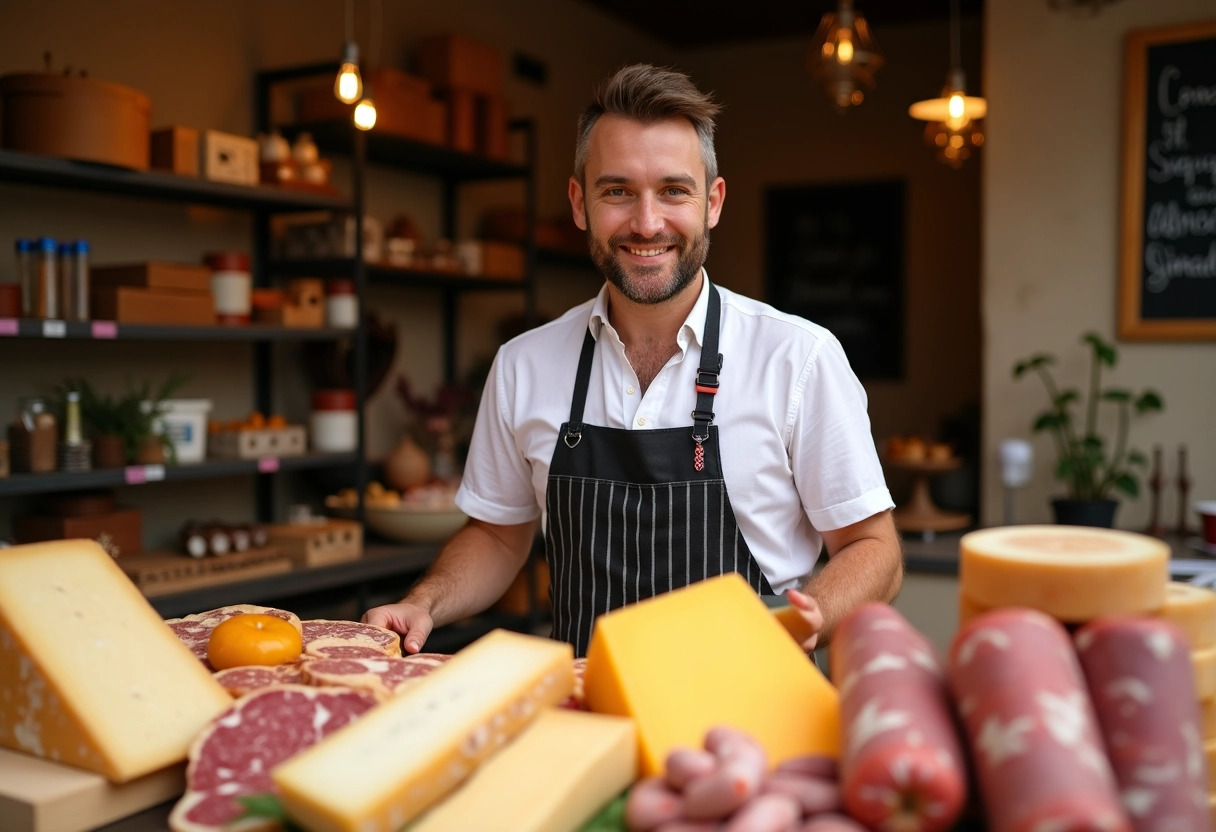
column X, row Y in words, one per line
column 346, row 650
column 1030, row 725
column 1142, row 685
column 195, row 630
column 239, row 681
column 234, row 755
column 383, row 677
column 902, row 764
column 321, row 631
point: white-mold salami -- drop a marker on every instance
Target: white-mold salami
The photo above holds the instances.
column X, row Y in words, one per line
column 239, row 681
column 322, row 632
column 1142, row 685
column 383, row 677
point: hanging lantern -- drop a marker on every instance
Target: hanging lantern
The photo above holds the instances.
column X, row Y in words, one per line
column 843, row 56
column 953, row 130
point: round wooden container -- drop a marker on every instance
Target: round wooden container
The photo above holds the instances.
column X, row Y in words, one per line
column 76, row 118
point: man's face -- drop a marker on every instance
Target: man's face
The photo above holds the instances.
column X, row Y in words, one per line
column 645, row 207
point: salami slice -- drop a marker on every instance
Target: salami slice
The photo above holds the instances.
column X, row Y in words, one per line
column 1034, row 738
column 383, row 677
column 234, row 755
column 195, row 630
column 1142, row 684
column 324, row 650
column 239, row 681
column 902, row 764
column 322, row 632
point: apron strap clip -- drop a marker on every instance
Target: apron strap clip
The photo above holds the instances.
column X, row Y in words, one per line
column 573, row 434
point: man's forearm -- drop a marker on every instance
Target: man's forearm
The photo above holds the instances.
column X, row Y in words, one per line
column 870, row 569
column 473, row 571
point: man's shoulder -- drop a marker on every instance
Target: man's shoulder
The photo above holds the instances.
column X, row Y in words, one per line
column 770, row 320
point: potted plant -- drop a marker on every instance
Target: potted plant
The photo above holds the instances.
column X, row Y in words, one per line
column 123, row 428
column 1092, row 465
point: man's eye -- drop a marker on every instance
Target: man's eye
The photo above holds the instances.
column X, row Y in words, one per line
column 674, row 191
column 614, row 192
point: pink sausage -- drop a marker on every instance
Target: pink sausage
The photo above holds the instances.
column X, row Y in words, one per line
column 832, row 822
column 690, row 826
column 1037, row 751
column 814, row 794
column 812, row 765
column 1142, row 684
column 902, row 764
column 715, row 795
column 650, row 804
column 767, row 813
column 683, row 765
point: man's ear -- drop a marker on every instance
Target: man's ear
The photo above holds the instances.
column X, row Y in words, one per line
column 577, row 205
column 716, row 196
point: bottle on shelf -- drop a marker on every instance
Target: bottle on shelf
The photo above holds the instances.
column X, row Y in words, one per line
column 46, row 292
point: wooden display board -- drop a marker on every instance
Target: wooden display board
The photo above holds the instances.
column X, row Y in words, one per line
column 1168, row 250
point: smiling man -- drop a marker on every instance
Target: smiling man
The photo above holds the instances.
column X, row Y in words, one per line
column 668, row 430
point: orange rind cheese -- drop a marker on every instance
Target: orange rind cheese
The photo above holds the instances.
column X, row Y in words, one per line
column 1193, row 610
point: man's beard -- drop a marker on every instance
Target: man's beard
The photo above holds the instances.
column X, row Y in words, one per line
column 691, row 256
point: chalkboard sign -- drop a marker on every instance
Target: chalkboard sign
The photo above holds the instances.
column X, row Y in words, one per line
column 835, row 257
column 1168, row 251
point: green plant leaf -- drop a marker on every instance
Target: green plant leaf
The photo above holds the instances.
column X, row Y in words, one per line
column 1092, row 445
column 1050, row 419
column 1149, row 401
column 1103, row 352
column 1116, row 395
column 609, row 819
column 1035, row 361
column 1136, row 458
column 1128, row 484
column 1066, row 397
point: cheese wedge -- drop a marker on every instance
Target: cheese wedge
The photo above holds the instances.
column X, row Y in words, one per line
column 1193, row 610
column 553, row 777
column 709, row 654
column 385, row 769
column 89, row 673
column 1073, row 573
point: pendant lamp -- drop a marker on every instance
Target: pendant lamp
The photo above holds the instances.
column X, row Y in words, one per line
column 843, row 56
column 348, row 86
column 952, row 128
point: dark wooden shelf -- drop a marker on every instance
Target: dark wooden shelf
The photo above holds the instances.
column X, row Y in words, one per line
column 111, row 331
column 395, row 275
column 34, row 169
column 57, row 481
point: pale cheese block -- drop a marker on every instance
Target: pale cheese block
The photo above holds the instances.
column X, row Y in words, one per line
column 1193, row 610
column 1072, row 573
column 89, row 673
column 403, row 756
column 554, row 777
column 709, row 654
column 1204, row 662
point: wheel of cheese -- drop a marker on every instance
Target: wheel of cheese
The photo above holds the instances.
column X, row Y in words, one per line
column 1193, row 610
column 1205, row 672
column 1209, row 752
column 1072, row 573
column 969, row 608
column 1207, row 719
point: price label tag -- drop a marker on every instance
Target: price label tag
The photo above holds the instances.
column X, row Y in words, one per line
column 54, row 329
column 154, row 473
column 268, row 464
column 134, row 475
column 105, row 329
column 8, row 326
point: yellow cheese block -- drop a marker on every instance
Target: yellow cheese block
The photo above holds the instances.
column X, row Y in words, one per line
column 1072, row 573
column 1204, row 661
column 709, row 654
column 1193, row 610
column 89, row 673
column 404, row 755
column 553, row 777
column 1207, row 714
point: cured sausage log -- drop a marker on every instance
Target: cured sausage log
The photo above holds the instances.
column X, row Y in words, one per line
column 320, row 631
column 240, row 681
column 383, row 677
column 1035, row 742
column 902, row 766
column 233, row 756
column 1142, row 685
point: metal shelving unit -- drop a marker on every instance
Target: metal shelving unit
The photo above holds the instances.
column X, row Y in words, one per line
column 111, row 331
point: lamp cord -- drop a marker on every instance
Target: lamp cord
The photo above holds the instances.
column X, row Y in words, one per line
column 956, row 61
column 350, row 20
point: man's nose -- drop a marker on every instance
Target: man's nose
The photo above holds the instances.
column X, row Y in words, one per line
column 647, row 218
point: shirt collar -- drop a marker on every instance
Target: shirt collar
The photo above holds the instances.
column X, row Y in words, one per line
column 694, row 324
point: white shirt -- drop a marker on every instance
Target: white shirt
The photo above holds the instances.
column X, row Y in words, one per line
column 797, row 453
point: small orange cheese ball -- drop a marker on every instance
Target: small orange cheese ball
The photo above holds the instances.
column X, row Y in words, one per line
column 253, row 639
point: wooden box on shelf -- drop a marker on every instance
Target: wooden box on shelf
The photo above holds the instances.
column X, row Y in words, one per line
column 165, row 307
column 120, row 530
column 160, row 573
column 153, row 274
column 255, row 444
column 175, row 149
column 462, row 62
column 318, row 543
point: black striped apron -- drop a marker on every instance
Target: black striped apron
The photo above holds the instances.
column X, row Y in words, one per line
column 631, row 514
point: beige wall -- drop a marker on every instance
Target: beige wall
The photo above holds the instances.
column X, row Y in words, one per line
column 1051, row 237
column 196, row 61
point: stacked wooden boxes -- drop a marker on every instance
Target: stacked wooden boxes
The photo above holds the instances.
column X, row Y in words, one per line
column 152, row 292
column 405, row 105
column 468, row 75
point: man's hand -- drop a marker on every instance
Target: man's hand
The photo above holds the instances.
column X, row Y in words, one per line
column 412, row 621
column 808, row 608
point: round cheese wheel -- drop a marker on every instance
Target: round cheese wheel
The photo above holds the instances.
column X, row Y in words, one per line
column 1193, row 610
column 1204, row 661
column 1073, row 573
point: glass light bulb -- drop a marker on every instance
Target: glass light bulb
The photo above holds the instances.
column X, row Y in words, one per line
column 844, row 47
column 365, row 114
column 348, row 86
column 956, row 105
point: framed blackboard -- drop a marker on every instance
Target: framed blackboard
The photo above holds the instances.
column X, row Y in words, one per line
column 1168, row 248
column 835, row 256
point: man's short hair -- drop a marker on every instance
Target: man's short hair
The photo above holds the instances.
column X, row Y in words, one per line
column 647, row 94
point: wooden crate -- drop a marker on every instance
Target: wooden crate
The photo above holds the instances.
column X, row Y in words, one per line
column 254, row 444
column 162, row 573
column 318, row 544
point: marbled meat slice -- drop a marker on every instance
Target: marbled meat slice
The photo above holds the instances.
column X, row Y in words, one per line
column 234, row 755
column 386, row 676
column 239, row 681
column 195, row 630
column 323, row 632
column 346, row 650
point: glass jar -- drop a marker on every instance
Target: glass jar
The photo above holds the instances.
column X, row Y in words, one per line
column 334, row 421
column 341, row 305
column 33, row 437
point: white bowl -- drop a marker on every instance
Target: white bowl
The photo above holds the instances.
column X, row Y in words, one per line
column 412, row 524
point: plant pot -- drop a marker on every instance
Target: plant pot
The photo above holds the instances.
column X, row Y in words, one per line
column 1070, row 512
column 151, row 451
column 109, row 451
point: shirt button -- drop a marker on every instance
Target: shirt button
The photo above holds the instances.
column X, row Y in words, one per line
column 641, row 421
column 630, row 390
